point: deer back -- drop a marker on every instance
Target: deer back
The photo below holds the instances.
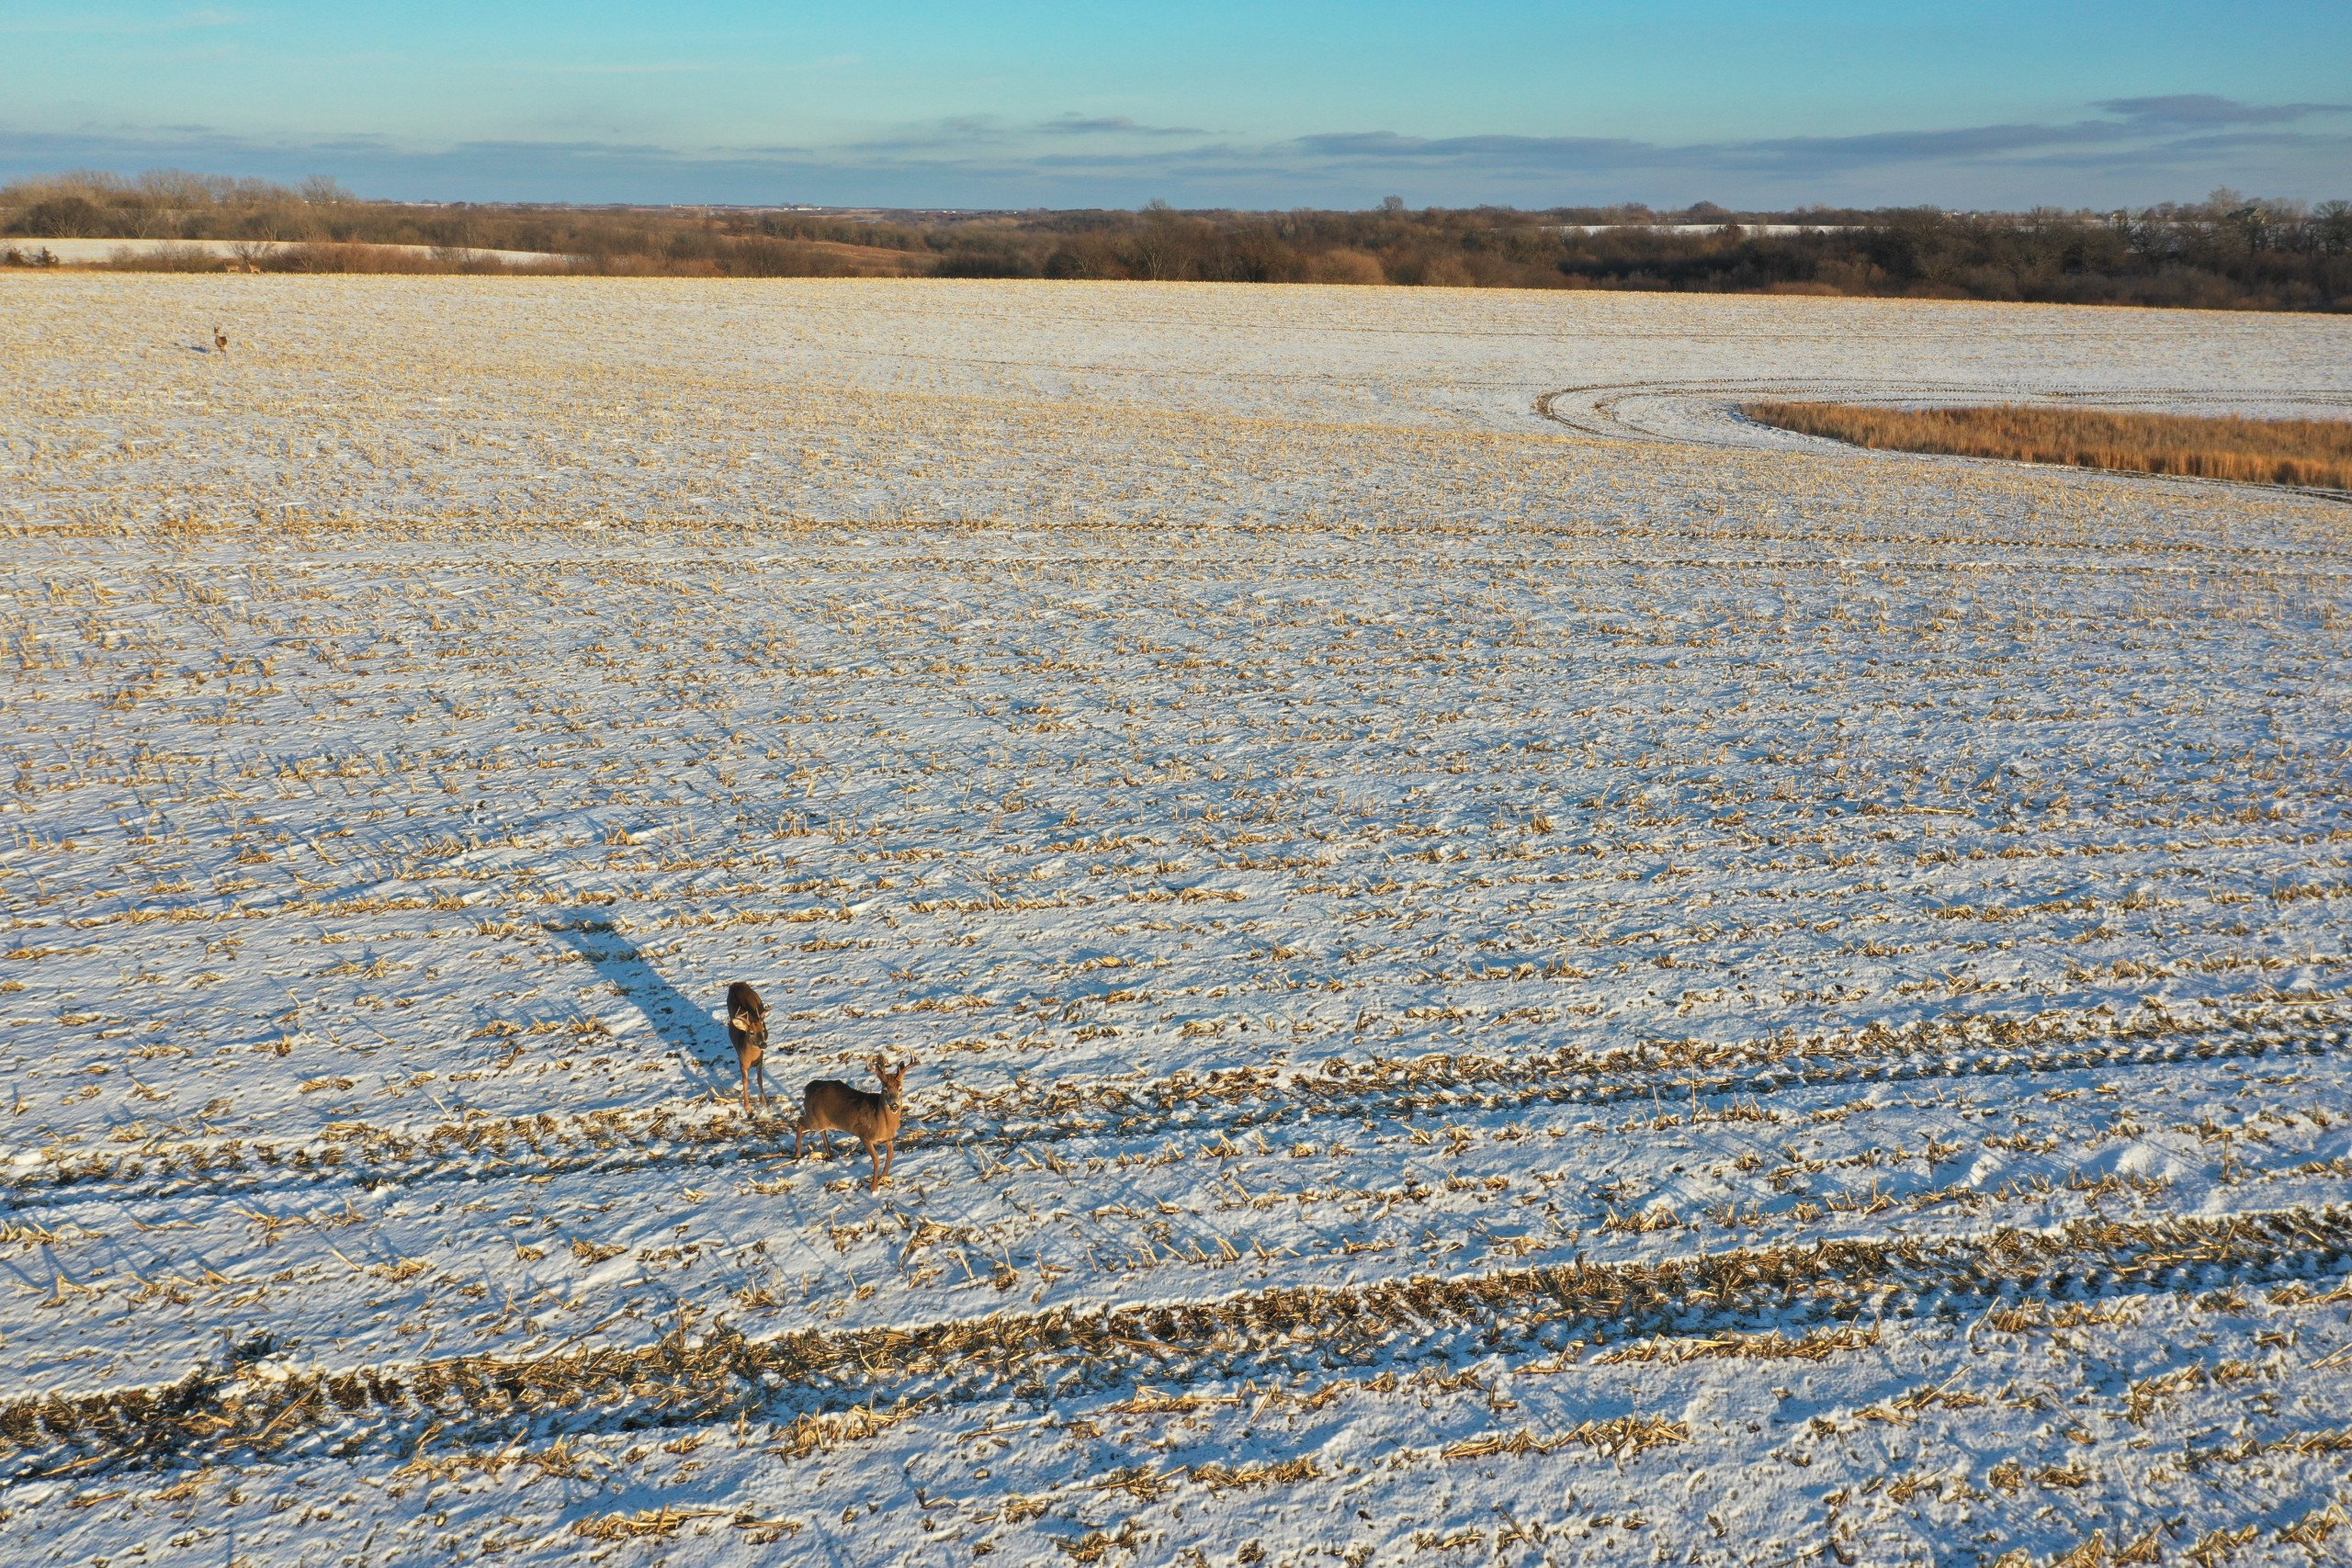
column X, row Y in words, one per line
column 829, row 1103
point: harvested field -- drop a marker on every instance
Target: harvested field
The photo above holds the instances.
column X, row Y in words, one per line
column 2256, row 451
column 1506, row 964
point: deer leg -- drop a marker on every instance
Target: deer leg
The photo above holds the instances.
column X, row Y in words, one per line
column 764, row 1083
column 874, row 1183
column 795, row 1141
column 893, row 1157
column 746, row 1069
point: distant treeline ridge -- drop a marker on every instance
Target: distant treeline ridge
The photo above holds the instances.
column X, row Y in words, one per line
column 2227, row 251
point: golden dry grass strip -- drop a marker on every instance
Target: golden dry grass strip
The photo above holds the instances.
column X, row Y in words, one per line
column 2316, row 451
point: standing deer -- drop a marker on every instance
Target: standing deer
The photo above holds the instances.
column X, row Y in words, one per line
column 220, row 341
column 747, row 1030
column 828, row 1105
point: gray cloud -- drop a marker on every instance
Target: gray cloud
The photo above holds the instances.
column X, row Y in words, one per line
column 1508, row 151
column 1917, row 146
column 2204, row 108
column 2138, row 120
column 2222, row 156
column 1111, row 125
column 959, row 134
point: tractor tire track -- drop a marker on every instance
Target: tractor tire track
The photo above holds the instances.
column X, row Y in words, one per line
column 224, row 1413
column 1225, row 1100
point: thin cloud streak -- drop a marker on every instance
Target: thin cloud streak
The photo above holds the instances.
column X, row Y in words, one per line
column 184, row 22
column 631, row 68
column 2156, row 147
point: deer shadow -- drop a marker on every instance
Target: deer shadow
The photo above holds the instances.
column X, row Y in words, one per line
column 679, row 1022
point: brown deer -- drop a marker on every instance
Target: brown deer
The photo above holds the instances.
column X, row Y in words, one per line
column 828, row 1105
column 220, row 341
column 747, row 1030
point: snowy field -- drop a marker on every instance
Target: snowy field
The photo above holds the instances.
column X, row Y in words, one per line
column 1503, row 966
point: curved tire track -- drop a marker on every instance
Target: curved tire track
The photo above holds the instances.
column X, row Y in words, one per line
column 1592, row 408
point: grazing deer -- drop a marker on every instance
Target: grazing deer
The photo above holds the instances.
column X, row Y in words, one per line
column 829, row 1105
column 747, row 1030
column 220, row 341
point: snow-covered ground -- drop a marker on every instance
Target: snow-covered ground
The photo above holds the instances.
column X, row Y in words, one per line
column 82, row 252
column 1502, row 964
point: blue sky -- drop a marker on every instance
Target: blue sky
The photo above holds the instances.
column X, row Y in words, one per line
column 1274, row 103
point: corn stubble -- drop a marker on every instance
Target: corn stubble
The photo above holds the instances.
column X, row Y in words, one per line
column 1469, row 967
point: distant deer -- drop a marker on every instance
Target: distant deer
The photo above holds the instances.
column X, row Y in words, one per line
column 220, row 341
column 747, row 1030
column 828, row 1105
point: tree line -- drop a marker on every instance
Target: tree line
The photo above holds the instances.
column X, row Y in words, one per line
column 2227, row 251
